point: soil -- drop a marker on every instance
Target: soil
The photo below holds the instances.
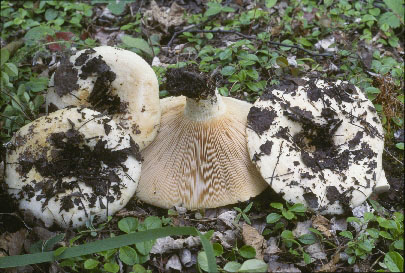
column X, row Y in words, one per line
column 189, row 82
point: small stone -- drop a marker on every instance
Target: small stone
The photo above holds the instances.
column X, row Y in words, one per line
column 174, row 263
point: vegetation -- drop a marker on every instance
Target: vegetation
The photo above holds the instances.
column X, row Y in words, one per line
column 247, row 48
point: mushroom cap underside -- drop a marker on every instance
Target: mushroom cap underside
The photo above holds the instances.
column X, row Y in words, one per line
column 317, row 144
column 197, row 164
column 71, row 165
column 111, row 80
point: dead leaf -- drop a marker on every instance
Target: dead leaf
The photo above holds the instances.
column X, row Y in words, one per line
column 253, row 238
column 322, row 224
column 275, row 266
column 331, row 266
column 174, row 17
column 13, row 243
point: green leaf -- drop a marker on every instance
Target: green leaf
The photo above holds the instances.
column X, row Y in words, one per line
column 128, row 224
column 37, row 84
column 287, row 214
column 51, row 14
column 4, row 56
column 272, row 218
column 368, row 216
column 253, row 265
column 37, row 33
column 59, row 251
column 145, row 247
column 247, row 252
column 346, row 234
column 287, row 42
column 218, row 249
column 214, row 8
column 287, row 234
column 307, row 258
column 373, row 232
column 307, row 239
column 353, row 219
column 152, row 222
column 390, row 19
column 138, row 43
column 253, row 74
column 228, row 70
column 50, row 243
column 366, row 245
column 116, row 8
column 399, row 244
column 203, row 261
column 111, row 243
column 111, row 267
column 270, row 3
column 351, row 260
column 227, row 53
column 394, row 261
column 11, row 69
column 138, row 269
column 90, row 264
column 396, row 6
column 298, row 208
column 372, row 90
column 277, row 205
column 128, row 255
column 400, row 145
column 248, row 207
column 385, row 234
column 232, row 267
column 374, row 11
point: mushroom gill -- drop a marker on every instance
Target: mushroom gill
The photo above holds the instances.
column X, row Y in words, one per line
column 199, row 158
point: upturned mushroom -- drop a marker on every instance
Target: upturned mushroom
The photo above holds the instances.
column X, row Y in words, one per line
column 72, row 165
column 113, row 81
column 318, row 143
column 199, row 158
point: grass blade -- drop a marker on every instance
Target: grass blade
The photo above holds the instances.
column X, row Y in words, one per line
column 110, row 243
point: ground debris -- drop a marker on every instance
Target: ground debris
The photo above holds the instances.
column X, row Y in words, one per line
column 322, row 224
column 253, row 238
column 275, row 266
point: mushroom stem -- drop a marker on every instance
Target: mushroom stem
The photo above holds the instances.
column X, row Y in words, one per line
column 204, row 109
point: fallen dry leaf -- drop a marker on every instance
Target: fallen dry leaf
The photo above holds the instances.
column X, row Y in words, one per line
column 13, row 243
column 331, row 265
column 166, row 19
column 253, row 238
column 322, row 224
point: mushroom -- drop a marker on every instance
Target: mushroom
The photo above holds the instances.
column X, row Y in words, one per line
column 319, row 144
column 72, row 165
column 199, row 158
column 113, row 81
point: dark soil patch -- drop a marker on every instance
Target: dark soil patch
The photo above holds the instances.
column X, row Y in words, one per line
column 190, row 82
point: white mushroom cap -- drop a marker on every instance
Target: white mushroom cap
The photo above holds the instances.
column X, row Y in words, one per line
column 111, row 80
column 318, row 144
column 71, row 165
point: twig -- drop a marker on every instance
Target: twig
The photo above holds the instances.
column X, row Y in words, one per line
column 177, row 33
column 396, row 159
column 22, row 108
column 190, row 29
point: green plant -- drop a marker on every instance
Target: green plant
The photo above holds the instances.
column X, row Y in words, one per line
column 385, row 232
column 243, row 213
